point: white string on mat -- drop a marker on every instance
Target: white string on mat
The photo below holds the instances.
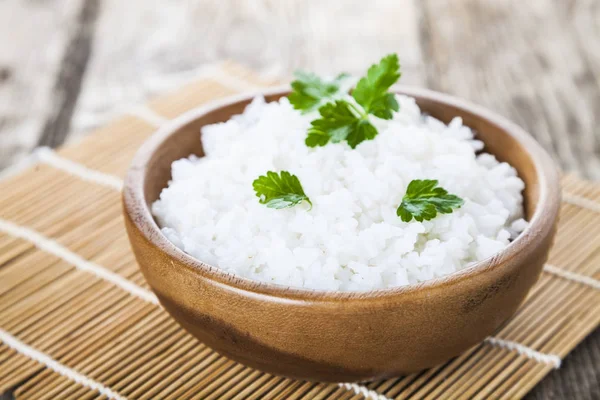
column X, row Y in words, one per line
column 56, row 366
column 21, row 165
column 233, row 82
column 48, row 156
column 53, row 247
column 165, row 82
column 160, row 83
column 550, row 359
column 580, row 201
column 147, row 114
column 208, row 71
column 572, row 276
column 363, row 391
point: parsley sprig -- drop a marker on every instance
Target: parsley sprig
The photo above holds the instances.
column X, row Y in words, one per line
column 344, row 120
column 309, row 92
column 424, row 199
column 281, row 190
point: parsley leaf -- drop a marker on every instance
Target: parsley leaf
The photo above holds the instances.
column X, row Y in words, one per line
column 340, row 121
column 334, row 125
column 371, row 90
column 279, row 191
column 424, row 199
column 362, row 130
column 309, row 91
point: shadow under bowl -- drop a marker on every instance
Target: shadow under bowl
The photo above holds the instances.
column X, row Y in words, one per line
column 342, row 336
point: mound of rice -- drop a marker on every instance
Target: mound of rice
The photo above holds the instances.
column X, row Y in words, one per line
column 352, row 239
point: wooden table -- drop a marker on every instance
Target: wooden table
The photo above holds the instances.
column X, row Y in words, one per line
column 67, row 66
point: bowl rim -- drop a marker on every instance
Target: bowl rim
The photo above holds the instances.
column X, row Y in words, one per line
column 134, row 202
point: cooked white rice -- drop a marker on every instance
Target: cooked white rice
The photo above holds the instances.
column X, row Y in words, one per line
column 351, row 239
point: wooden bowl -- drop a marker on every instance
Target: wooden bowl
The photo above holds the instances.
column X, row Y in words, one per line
column 342, row 336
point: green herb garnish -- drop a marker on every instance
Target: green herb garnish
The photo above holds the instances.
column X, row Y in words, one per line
column 309, row 92
column 279, row 191
column 371, row 91
column 344, row 120
column 424, row 199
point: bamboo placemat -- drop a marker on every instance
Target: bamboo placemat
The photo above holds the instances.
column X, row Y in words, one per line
column 78, row 321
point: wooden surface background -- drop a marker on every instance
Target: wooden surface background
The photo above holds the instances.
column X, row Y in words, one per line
column 67, row 66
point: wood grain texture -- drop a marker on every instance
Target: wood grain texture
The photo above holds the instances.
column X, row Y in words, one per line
column 68, row 81
column 536, row 66
column 146, row 54
column 33, row 38
column 536, row 62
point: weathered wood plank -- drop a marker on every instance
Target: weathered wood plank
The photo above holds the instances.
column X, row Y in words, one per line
column 33, row 37
column 68, row 82
column 537, row 66
column 134, row 58
column 534, row 62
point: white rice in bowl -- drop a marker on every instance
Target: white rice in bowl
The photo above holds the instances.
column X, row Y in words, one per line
column 351, row 239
